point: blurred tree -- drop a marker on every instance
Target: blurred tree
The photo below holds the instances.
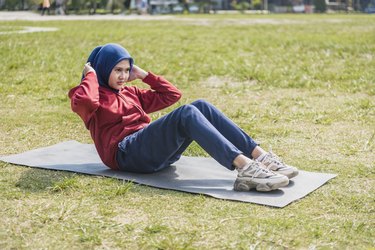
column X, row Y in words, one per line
column 241, row 5
column 256, row 4
column 19, row 4
column 320, row 6
column 114, row 5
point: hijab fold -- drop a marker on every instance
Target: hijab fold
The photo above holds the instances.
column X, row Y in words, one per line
column 104, row 58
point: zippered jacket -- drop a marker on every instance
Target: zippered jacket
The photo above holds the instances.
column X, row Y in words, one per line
column 111, row 116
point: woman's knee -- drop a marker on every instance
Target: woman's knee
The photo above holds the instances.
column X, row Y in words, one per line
column 188, row 111
column 200, row 103
column 205, row 107
column 196, row 106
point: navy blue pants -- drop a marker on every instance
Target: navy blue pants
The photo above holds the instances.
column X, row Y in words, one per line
column 162, row 142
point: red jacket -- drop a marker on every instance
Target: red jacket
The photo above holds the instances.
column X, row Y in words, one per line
column 112, row 116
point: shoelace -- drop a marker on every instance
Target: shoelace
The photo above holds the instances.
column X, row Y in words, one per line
column 259, row 169
column 272, row 158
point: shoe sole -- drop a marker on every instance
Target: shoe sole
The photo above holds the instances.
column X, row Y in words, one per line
column 246, row 184
column 292, row 175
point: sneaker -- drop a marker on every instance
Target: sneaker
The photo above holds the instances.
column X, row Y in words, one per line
column 258, row 177
column 274, row 163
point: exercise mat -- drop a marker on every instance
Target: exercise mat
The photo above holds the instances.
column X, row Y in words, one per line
column 190, row 174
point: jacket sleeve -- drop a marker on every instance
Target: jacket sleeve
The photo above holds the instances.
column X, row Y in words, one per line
column 85, row 97
column 161, row 95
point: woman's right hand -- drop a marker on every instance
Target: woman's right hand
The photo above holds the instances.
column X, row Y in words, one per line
column 87, row 68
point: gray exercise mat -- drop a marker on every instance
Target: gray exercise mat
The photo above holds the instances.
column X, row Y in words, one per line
column 190, row 174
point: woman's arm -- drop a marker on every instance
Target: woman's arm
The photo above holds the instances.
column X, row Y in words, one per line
column 85, row 97
column 162, row 93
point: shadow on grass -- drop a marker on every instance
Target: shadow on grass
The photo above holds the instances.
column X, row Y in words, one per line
column 39, row 180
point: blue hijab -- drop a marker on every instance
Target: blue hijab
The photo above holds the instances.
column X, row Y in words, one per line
column 104, row 58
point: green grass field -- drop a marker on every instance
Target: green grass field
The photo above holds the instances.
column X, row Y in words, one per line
column 303, row 84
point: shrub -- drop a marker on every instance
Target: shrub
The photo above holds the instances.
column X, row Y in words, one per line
column 320, row 6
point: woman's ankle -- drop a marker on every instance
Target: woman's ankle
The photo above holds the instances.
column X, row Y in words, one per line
column 241, row 161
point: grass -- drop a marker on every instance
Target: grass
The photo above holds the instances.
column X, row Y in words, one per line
column 304, row 85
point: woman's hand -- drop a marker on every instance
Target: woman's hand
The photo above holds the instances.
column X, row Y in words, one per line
column 87, row 68
column 137, row 73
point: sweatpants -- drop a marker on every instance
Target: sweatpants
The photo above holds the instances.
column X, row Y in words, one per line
column 163, row 141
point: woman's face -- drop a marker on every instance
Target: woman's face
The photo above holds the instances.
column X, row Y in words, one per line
column 119, row 75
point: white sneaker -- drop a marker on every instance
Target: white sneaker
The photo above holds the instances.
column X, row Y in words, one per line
column 258, row 177
column 274, row 163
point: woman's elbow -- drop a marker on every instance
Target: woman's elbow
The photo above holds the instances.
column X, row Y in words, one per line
column 82, row 103
column 178, row 95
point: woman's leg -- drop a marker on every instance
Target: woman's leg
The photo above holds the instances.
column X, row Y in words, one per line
column 163, row 141
column 243, row 141
column 229, row 129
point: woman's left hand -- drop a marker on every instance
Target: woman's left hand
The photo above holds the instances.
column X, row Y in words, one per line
column 137, row 73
